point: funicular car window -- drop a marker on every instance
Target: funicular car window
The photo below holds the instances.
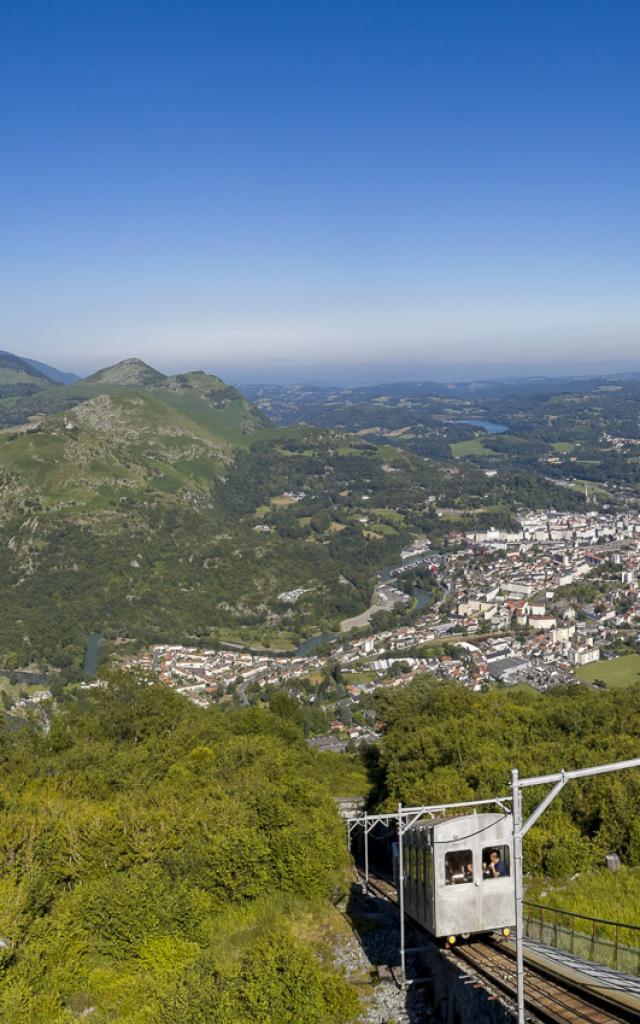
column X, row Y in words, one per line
column 496, row 862
column 458, row 867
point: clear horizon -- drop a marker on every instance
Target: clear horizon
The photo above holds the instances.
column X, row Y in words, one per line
column 233, row 185
column 353, row 374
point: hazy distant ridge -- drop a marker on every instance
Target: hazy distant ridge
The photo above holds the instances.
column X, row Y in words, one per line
column 21, row 370
column 57, row 376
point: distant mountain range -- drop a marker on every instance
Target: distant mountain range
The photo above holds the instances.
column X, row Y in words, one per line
column 18, row 370
column 58, row 376
column 434, row 378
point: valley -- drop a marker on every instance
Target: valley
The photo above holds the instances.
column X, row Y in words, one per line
column 149, row 508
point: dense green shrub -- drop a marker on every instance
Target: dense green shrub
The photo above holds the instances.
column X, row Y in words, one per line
column 153, row 858
column 444, row 743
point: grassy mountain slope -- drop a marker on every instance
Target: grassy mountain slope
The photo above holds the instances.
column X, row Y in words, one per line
column 15, row 371
column 21, row 370
column 120, row 441
column 128, row 372
column 88, row 494
column 200, row 394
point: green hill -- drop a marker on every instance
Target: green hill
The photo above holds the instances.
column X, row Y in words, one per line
column 120, row 470
column 114, row 441
column 52, row 373
column 129, row 372
column 19, row 373
column 199, row 393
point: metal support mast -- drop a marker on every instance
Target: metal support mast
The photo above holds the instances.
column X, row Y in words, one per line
column 557, row 781
column 516, row 810
column 401, row 894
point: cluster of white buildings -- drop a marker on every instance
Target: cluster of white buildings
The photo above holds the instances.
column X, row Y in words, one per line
column 501, row 615
column 205, row 675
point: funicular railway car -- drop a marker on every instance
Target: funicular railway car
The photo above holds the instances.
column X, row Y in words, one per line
column 458, row 878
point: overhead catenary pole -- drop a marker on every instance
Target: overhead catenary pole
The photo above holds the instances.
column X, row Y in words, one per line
column 366, row 855
column 516, row 811
column 401, row 895
column 351, row 824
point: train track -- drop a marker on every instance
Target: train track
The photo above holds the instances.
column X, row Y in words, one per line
column 546, row 999
column 380, row 886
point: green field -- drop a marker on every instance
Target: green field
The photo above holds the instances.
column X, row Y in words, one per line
column 359, row 676
column 258, row 639
column 472, row 447
column 513, row 439
column 617, row 673
column 579, row 485
column 383, row 529
column 454, row 519
column 389, row 515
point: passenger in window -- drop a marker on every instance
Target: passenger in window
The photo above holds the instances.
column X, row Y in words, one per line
column 468, row 872
column 455, row 865
column 496, row 868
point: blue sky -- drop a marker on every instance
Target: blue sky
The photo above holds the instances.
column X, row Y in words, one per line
column 206, row 184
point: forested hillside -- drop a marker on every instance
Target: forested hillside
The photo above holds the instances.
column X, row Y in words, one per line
column 158, row 864
column 445, row 743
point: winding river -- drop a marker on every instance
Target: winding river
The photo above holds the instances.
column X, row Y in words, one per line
column 422, row 598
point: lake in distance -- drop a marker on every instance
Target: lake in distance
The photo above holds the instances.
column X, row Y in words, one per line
column 488, row 425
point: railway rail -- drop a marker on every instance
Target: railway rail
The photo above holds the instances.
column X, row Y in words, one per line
column 548, row 998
